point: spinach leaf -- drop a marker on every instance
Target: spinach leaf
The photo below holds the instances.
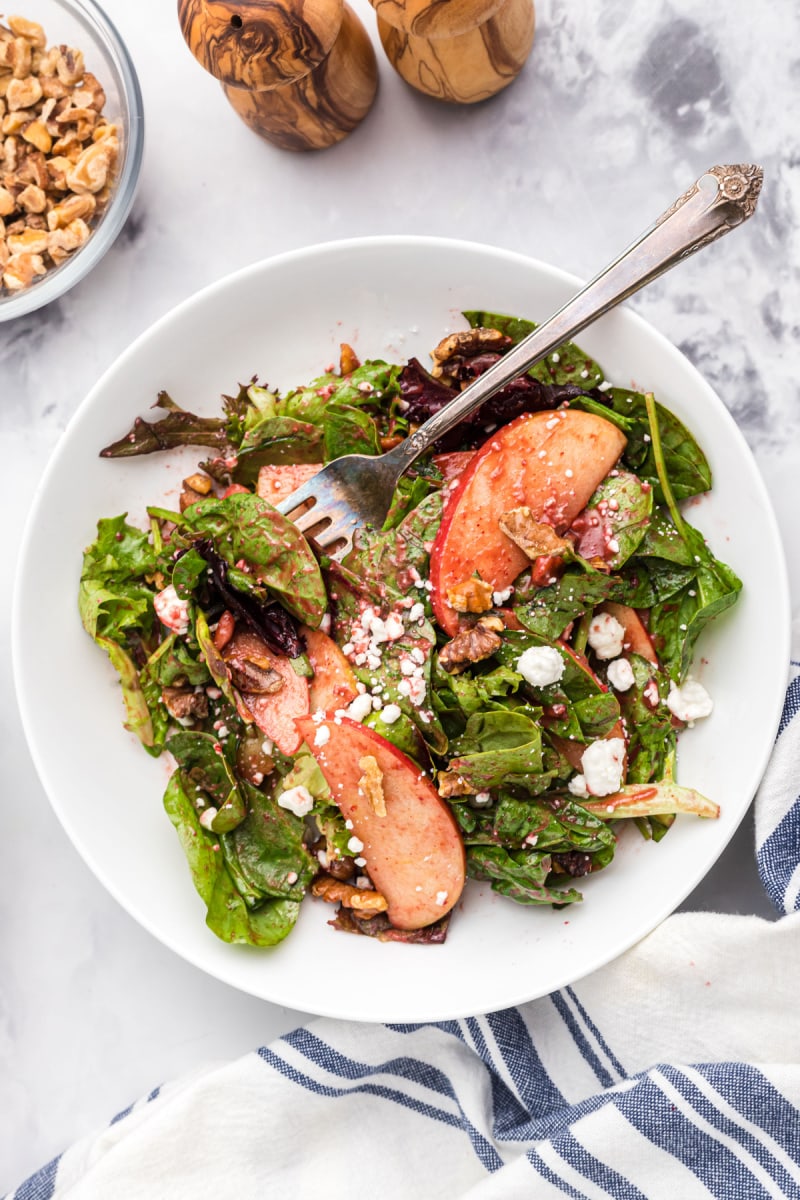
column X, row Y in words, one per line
column 624, row 505
column 687, row 466
column 569, row 365
column 244, row 526
column 521, row 874
column 202, row 761
column 349, row 430
column 498, row 748
column 267, row 850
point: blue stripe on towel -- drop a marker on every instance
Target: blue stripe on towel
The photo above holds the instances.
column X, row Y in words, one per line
column 777, row 858
column 483, row 1148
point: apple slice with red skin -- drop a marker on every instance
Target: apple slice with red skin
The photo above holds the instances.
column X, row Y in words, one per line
column 334, row 684
column 275, row 712
column 550, row 462
column 414, row 854
column 453, row 463
column 637, row 639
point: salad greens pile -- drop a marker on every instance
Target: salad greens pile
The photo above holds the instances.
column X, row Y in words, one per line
column 503, row 751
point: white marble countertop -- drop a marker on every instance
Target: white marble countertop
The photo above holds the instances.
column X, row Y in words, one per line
column 618, row 109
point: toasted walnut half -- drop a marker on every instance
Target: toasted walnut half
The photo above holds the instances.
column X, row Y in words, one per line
column 254, row 675
column 449, row 783
column 184, row 702
column 361, row 900
column 471, row 645
column 471, row 595
column 466, row 343
column 371, row 784
column 532, row 537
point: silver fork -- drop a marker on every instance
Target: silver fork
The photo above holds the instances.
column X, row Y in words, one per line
column 357, row 489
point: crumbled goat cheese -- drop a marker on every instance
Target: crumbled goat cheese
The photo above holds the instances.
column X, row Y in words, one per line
column 620, row 674
column 355, row 845
column 499, row 598
column 360, row 708
column 417, row 612
column 441, row 899
column 207, row 816
column 393, row 627
column 391, row 713
column 171, row 610
column 690, row 701
column 577, row 786
column 606, row 636
column 297, row 799
column 602, row 765
column 322, row 735
column 541, row 665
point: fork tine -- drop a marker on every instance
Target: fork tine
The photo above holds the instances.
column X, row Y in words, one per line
column 309, row 490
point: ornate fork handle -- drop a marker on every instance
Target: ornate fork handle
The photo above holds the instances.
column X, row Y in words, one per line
column 718, row 202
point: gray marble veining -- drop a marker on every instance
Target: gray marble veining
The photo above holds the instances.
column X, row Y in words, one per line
column 619, row 108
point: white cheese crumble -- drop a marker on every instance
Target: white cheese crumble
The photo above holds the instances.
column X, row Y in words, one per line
column 322, row 735
column 417, row 612
column 606, row 636
column 391, row 713
column 499, row 598
column 360, row 708
column 620, row 674
column 602, row 766
column 540, row 665
column 298, row 800
column 355, row 845
column 690, row 701
column 441, row 899
column 577, row 786
column 171, row 610
column 207, row 816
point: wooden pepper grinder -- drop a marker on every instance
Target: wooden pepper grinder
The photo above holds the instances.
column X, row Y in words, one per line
column 301, row 73
column 462, row 50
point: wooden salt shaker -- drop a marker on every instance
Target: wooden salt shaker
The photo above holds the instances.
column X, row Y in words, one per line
column 462, row 50
column 301, row 73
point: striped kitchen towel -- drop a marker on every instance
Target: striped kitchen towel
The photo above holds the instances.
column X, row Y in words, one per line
column 670, row 1074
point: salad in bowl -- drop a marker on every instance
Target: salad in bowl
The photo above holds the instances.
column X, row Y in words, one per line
column 491, row 686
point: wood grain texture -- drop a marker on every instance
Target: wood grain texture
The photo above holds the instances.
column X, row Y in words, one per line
column 260, row 44
column 323, row 107
column 470, row 67
column 435, row 18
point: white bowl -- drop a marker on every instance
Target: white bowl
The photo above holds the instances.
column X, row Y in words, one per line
column 284, row 319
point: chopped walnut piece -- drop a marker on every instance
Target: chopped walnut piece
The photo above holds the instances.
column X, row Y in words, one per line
column 533, row 537
column 197, row 482
column 21, row 270
column 253, row 674
column 90, row 172
column 361, row 900
column 8, row 204
column 348, row 359
column 181, row 703
column 23, row 93
column 62, row 242
column 36, row 133
column 471, row 595
column 32, row 199
column 471, row 645
column 468, row 342
column 69, row 65
column 30, row 241
column 30, row 30
column 70, row 209
column 371, row 784
column 449, row 783
column 15, row 122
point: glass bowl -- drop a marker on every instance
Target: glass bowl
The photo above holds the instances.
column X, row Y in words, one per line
column 83, row 24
